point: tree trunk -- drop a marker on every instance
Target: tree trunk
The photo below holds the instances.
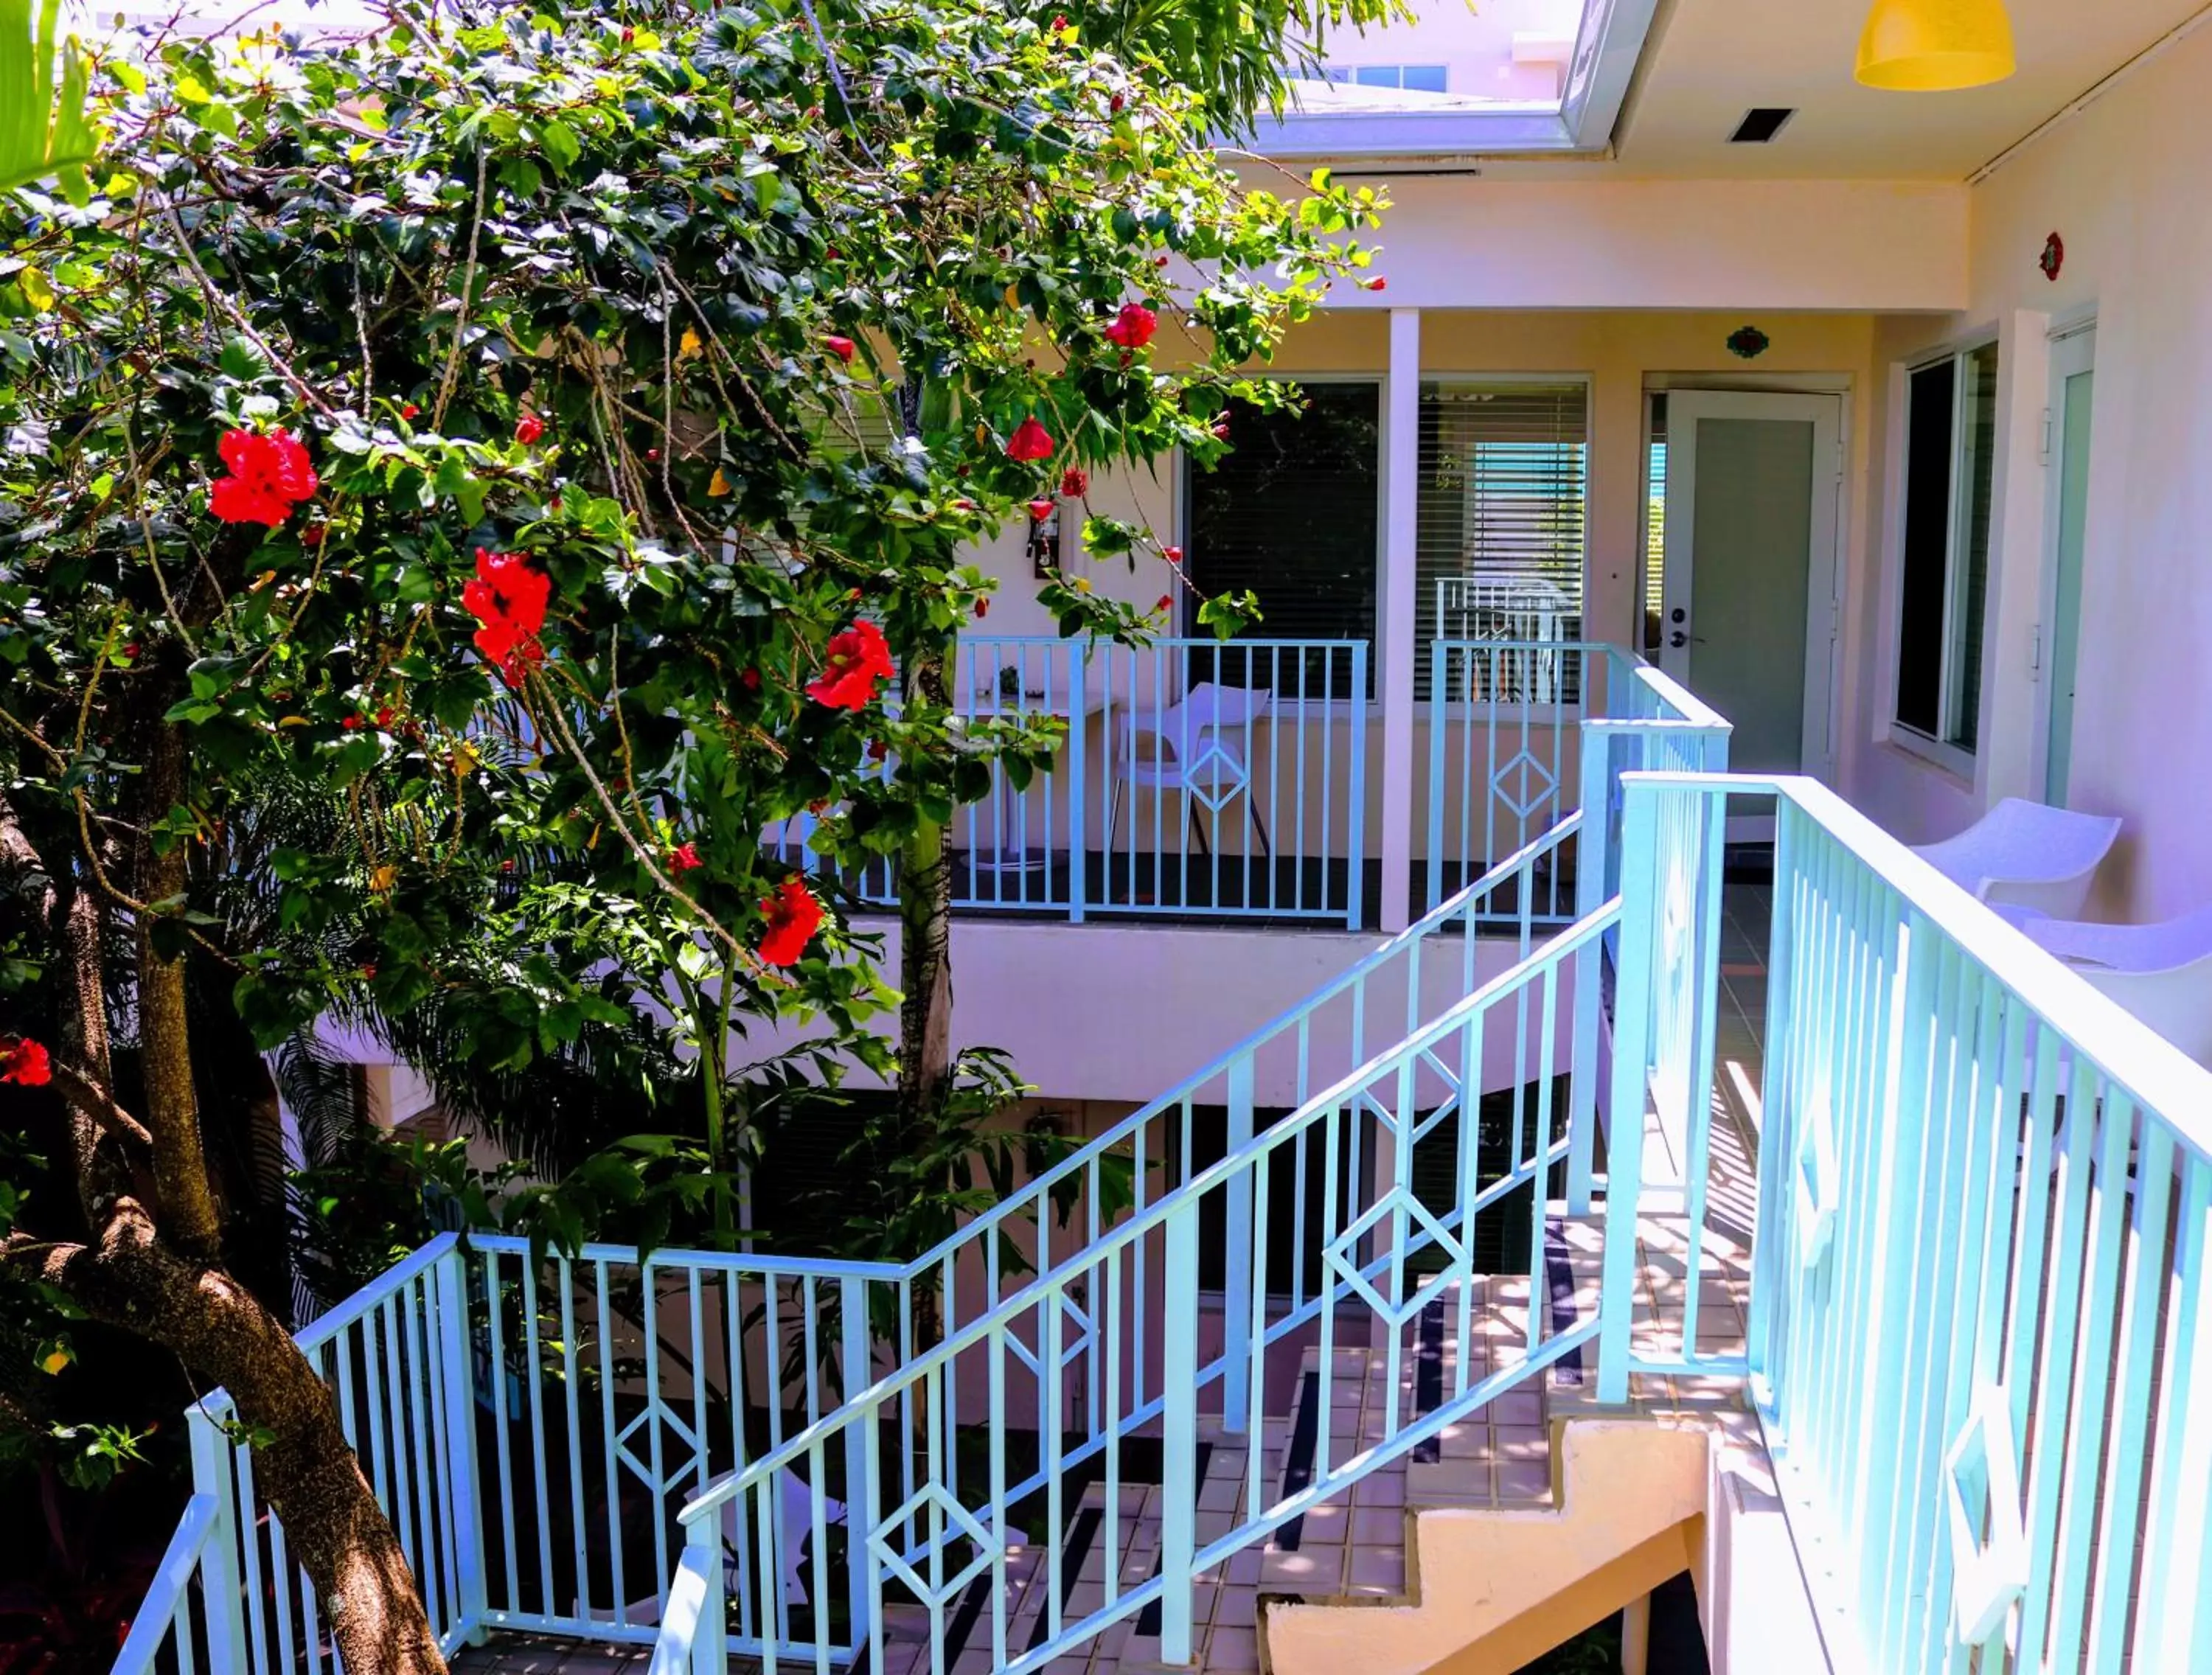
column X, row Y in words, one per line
column 302, row 1462
column 924, row 894
column 130, row 1274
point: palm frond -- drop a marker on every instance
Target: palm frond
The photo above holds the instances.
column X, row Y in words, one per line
column 43, row 130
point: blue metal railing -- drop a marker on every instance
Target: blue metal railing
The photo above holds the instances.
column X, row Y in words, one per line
column 1980, row 1326
column 1193, row 778
column 619, row 1389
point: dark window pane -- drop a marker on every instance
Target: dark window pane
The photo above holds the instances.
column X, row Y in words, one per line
column 1291, row 513
column 1927, row 546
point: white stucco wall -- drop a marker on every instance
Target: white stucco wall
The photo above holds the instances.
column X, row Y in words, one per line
column 2123, row 183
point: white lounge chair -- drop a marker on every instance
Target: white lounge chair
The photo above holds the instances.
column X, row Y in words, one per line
column 2161, row 973
column 2026, row 856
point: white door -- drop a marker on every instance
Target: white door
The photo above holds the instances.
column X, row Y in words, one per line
column 1748, row 610
column 2073, row 385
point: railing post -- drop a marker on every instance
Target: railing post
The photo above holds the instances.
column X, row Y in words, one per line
column 1777, row 1138
column 1237, row 1282
column 1632, row 1000
column 1591, row 866
column 221, row 1588
column 1439, row 724
column 1079, row 822
column 462, row 1485
column 859, row 1500
column 1355, row 826
column 1179, row 1433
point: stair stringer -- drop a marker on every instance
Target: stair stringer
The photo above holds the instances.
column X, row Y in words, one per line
column 1489, row 1590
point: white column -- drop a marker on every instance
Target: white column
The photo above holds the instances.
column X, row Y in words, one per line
column 1636, row 1636
column 1398, row 618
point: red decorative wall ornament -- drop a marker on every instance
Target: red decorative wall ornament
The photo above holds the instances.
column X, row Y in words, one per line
column 2053, row 256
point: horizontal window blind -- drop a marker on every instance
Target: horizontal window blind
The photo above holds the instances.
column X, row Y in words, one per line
column 1503, row 513
column 1291, row 513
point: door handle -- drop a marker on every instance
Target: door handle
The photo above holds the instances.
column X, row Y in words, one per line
column 1678, row 638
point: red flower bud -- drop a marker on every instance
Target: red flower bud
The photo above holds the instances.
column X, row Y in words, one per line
column 350, row 723
column 831, row 253
column 1041, row 510
column 750, row 679
column 1159, row 261
column 842, row 347
column 1116, row 103
column 628, row 35
column 1173, row 554
column 130, row 651
column 877, row 749
column 982, row 608
column 311, row 536
column 384, row 716
column 684, row 857
column 1075, row 482
column 528, row 428
column 1163, row 602
column 653, row 455
column 408, row 409
column 1377, row 283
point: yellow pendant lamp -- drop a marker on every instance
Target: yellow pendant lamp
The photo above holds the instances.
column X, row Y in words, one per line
column 1935, row 45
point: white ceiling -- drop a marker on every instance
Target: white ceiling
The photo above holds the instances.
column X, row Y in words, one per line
column 1711, row 60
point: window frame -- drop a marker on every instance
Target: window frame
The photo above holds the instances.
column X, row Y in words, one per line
column 1959, row 760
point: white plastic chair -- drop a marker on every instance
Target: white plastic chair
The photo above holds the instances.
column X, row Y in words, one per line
column 2161, row 973
column 2026, row 855
column 1195, row 747
column 794, row 1517
column 794, row 1520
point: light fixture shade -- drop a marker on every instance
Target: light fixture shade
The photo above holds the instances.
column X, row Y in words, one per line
column 1935, row 45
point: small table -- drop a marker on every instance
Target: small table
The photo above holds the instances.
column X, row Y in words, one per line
column 990, row 701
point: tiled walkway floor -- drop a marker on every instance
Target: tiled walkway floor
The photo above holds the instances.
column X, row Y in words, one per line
column 1354, row 1549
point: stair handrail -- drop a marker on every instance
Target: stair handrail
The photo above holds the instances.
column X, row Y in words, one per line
column 1182, row 1375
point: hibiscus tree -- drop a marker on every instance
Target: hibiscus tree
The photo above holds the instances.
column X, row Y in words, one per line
column 557, row 527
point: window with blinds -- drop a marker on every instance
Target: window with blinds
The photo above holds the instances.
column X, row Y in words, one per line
column 1291, row 513
column 1503, row 513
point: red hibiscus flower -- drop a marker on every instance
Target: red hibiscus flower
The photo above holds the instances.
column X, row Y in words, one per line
column 684, row 857
column 1133, row 326
column 856, row 665
column 793, row 916
column 25, row 1063
column 509, row 597
column 1031, row 440
column 1075, row 482
column 1041, row 510
column 528, row 428
column 841, row 346
column 270, row 473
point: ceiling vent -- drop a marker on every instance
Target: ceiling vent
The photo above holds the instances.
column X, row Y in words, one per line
column 1760, row 125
